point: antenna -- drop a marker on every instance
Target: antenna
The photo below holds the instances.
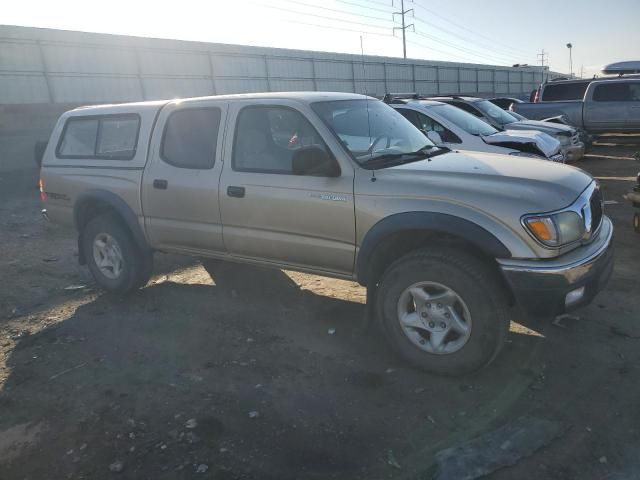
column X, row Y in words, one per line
column 366, row 97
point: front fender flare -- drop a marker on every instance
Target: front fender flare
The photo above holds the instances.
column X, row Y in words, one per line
column 425, row 221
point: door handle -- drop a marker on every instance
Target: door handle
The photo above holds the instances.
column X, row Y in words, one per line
column 237, row 192
column 160, row 184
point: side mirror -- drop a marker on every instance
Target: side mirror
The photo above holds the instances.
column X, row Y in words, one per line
column 314, row 161
column 434, row 137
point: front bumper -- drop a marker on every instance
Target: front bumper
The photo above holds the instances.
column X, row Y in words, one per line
column 574, row 152
column 542, row 287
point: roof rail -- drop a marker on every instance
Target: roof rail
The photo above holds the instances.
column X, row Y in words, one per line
column 456, row 96
column 390, row 97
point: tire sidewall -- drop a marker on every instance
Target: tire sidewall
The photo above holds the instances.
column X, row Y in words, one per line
column 487, row 314
column 111, row 226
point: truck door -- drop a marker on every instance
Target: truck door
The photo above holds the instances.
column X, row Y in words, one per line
column 607, row 108
column 180, row 183
column 269, row 213
column 633, row 107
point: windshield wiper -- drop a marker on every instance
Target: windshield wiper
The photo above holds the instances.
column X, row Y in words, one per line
column 401, row 158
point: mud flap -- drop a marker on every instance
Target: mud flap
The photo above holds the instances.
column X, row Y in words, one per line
column 82, row 258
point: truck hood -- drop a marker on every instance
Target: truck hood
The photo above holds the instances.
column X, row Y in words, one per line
column 509, row 138
column 546, row 127
column 493, row 182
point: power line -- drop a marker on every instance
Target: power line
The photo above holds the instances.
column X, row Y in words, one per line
column 467, row 29
column 343, row 12
column 297, row 12
column 364, row 6
column 462, row 49
column 511, row 57
column 430, row 48
column 330, row 27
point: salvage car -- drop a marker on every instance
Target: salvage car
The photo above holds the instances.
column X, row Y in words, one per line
column 569, row 137
column 339, row 185
column 449, row 126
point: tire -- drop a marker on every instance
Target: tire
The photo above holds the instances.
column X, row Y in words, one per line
column 136, row 264
column 636, row 222
column 471, row 293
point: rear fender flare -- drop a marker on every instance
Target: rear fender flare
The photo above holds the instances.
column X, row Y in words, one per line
column 114, row 202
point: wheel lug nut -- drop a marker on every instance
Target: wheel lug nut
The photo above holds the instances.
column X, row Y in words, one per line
column 432, row 324
column 447, row 315
column 428, row 305
column 423, row 314
column 422, row 342
column 443, row 325
column 439, row 305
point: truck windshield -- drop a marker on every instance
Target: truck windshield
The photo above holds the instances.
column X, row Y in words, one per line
column 370, row 129
column 495, row 113
column 464, row 120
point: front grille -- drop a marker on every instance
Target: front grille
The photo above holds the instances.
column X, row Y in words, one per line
column 596, row 209
column 575, row 140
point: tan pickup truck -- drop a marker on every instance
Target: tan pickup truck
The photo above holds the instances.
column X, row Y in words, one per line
column 339, row 185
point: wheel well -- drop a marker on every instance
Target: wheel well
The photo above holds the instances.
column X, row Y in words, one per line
column 402, row 243
column 90, row 209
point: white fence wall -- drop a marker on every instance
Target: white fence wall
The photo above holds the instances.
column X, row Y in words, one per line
column 55, row 66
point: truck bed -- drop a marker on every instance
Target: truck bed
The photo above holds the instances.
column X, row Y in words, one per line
column 571, row 110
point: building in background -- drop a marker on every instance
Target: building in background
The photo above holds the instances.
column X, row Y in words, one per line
column 44, row 72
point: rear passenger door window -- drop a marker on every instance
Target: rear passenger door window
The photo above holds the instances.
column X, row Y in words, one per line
column 468, row 108
column 266, row 139
column 428, row 124
column 612, row 92
column 410, row 115
column 190, row 138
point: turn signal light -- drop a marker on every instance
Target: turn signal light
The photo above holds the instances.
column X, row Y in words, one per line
column 542, row 228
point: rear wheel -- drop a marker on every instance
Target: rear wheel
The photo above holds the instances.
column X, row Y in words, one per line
column 116, row 262
column 443, row 311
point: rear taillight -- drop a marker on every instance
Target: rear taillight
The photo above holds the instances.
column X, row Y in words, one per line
column 43, row 195
column 536, row 97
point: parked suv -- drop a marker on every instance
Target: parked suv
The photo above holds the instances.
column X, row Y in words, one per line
column 339, row 185
column 569, row 137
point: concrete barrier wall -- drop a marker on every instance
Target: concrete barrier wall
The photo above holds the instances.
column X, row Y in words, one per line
column 43, row 72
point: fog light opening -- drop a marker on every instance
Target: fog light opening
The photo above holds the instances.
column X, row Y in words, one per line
column 574, row 296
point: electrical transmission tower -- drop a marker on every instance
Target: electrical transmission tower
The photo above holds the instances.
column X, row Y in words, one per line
column 404, row 26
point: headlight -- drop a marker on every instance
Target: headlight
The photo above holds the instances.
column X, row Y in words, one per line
column 527, row 155
column 555, row 230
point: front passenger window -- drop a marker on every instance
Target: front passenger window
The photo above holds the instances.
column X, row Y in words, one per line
column 267, row 137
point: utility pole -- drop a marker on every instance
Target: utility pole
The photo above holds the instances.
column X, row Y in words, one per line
column 404, row 27
column 581, row 71
column 542, row 56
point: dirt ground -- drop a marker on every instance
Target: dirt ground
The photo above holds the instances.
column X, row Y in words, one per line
column 243, row 380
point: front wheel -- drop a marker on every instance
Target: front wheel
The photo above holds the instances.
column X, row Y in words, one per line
column 116, row 262
column 443, row 311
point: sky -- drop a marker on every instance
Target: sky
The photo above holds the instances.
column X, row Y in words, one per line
column 492, row 31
